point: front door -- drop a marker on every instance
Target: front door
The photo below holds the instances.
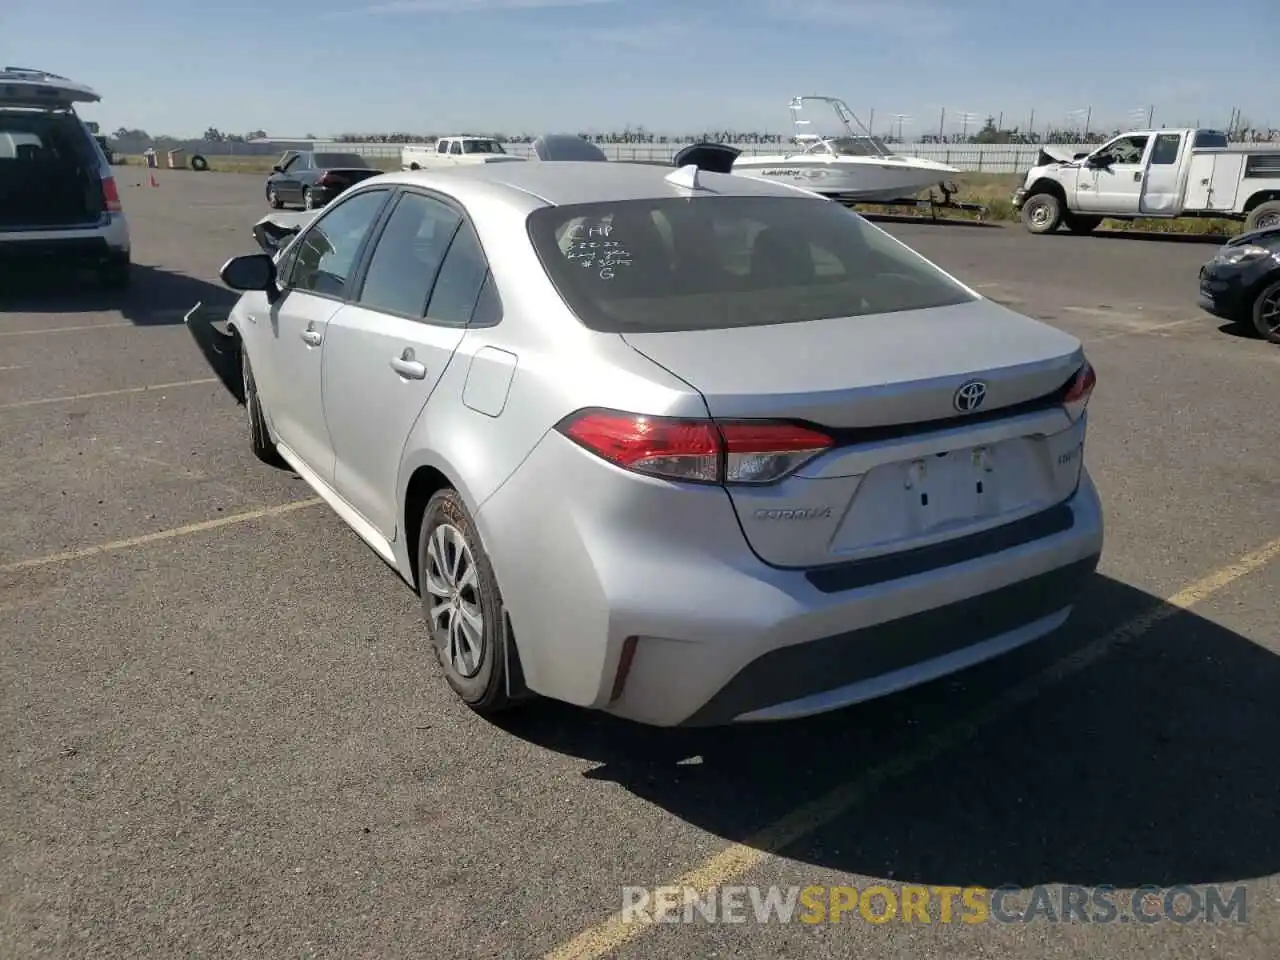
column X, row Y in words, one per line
column 322, row 262
column 1119, row 184
column 388, row 350
column 1160, row 192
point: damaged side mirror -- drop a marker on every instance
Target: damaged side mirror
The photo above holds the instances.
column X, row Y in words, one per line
column 252, row 271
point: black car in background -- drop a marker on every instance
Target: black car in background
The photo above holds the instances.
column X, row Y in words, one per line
column 310, row 180
column 1242, row 282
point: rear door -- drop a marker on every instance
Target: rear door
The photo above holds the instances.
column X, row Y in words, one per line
column 387, row 351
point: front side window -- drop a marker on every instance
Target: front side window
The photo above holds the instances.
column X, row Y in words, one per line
column 720, row 262
column 327, row 251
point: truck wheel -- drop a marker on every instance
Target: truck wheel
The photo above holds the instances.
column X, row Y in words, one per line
column 1080, row 224
column 1042, row 213
column 1264, row 215
column 1266, row 313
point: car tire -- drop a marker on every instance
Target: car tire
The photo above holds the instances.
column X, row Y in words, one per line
column 1266, row 313
column 462, row 605
column 308, row 201
column 1042, row 213
column 1262, row 216
column 1077, row 223
column 273, row 198
column 259, row 436
column 116, row 275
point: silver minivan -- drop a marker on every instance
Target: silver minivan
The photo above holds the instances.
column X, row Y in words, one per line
column 59, row 203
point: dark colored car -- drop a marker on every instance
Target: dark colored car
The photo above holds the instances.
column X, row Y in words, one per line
column 1242, row 282
column 310, row 180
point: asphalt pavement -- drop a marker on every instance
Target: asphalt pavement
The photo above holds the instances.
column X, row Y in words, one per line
column 224, row 734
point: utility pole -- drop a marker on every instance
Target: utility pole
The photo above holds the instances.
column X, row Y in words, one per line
column 942, row 122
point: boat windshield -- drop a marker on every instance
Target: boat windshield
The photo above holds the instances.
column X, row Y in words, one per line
column 860, row 147
column 850, row 147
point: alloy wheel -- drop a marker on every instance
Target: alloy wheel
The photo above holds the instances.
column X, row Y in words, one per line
column 452, row 580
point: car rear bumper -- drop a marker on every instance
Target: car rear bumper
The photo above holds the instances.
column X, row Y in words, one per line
column 650, row 606
column 87, row 246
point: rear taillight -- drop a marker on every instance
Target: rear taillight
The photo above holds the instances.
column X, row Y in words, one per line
column 327, row 179
column 1079, row 390
column 110, row 195
column 697, row 451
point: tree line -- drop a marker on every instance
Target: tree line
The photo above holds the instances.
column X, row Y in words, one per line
column 989, row 133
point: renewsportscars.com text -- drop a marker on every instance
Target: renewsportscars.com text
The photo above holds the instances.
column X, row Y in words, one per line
column 877, row 903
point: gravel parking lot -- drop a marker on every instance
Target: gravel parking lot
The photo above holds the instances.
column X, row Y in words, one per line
column 225, row 735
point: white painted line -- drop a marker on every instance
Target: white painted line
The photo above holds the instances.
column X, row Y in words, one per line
column 108, row 393
column 160, row 535
column 88, row 326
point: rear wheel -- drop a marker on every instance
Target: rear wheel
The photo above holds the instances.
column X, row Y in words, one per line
column 1042, row 213
column 1264, row 216
column 1081, row 224
column 462, row 605
column 308, row 201
column 1266, row 313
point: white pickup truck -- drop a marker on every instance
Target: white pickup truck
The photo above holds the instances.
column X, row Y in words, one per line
column 452, row 152
column 1153, row 174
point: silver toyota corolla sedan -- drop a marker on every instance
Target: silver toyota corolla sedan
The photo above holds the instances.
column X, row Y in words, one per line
column 685, row 447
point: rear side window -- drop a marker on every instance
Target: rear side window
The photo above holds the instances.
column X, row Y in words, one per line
column 458, row 286
column 719, row 262
column 341, row 160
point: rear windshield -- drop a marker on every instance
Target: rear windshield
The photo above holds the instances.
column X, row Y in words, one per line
column 42, row 138
column 648, row 266
column 340, row 160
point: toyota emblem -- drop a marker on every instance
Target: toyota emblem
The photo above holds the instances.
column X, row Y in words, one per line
column 970, row 396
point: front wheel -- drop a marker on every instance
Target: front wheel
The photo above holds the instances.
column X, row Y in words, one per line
column 259, row 437
column 273, row 198
column 462, row 605
column 1042, row 213
column 1266, row 313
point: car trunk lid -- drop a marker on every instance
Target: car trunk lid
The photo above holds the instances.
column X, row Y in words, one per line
column 915, row 458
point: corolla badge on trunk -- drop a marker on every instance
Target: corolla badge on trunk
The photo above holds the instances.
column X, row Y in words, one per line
column 969, row 396
column 795, row 513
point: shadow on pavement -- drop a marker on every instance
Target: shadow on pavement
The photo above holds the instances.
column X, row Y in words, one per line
column 155, row 297
column 1153, row 765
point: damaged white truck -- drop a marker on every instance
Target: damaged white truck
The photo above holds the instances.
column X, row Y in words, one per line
column 1153, row 174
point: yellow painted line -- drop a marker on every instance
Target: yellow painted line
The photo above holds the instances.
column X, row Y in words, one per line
column 89, row 326
column 160, row 535
column 108, row 393
column 734, row 861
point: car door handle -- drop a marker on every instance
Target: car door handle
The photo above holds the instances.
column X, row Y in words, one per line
column 311, row 337
column 409, row 369
column 1137, row 177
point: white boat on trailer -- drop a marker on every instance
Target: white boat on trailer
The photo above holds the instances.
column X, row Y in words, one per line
column 850, row 167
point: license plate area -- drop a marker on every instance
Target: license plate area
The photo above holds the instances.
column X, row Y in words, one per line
column 910, row 502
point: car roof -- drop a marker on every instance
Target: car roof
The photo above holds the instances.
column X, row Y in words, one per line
column 560, row 182
column 26, row 88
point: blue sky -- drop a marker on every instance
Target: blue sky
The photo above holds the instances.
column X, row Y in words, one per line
column 331, row 66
